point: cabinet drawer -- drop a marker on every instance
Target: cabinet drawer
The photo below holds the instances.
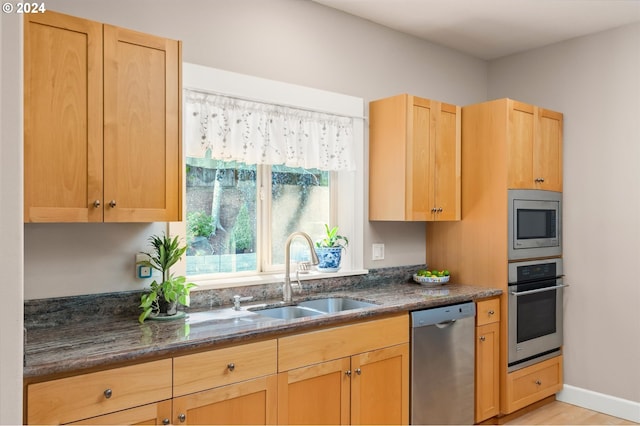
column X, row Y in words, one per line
column 207, row 370
column 531, row 384
column 488, row 311
column 88, row 395
column 333, row 343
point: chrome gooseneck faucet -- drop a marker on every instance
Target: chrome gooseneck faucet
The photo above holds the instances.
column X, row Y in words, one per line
column 286, row 288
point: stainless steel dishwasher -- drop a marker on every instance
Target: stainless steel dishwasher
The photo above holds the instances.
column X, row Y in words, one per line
column 443, row 365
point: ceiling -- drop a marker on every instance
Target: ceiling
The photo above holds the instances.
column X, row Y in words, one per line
column 490, row 29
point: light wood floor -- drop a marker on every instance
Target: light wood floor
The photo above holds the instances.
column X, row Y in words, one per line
column 560, row 413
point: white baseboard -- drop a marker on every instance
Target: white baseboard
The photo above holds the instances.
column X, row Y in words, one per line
column 607, row 404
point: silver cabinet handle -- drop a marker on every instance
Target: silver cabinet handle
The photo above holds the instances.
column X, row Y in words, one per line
column 96, row 203
column 231, row 366
column 108, row 393
column 182, row 418
column 348, row 373
column 538, row 382
column 439, row 210
column 433, row 210
column 482, row 338
column 491, row 312
column 358, row 371
column 538, row 290
column 166, row 421
column 112, row 203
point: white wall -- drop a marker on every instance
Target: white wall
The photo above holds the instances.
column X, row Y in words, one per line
column 595, row 82
column 292, row 41
column 11, row 312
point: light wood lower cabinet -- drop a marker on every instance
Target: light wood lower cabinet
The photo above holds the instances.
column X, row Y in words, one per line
column 357, row 374
column 89, row 395
column 487, row 359
column 252, row 402
column 158, row 413
column 531, row 384
column 352, row 374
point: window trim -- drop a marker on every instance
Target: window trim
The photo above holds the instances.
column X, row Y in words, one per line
column 348, row 186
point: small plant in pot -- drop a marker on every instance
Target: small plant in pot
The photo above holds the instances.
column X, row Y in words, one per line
column 163, row 299
column 329, row 249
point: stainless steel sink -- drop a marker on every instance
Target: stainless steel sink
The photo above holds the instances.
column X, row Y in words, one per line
column 335, row 304
column 288, row 312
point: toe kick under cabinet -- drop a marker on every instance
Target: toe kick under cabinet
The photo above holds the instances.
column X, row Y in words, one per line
column 351, row 374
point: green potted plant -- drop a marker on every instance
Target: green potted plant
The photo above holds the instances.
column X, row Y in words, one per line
column 329, row 249
column 163, row 299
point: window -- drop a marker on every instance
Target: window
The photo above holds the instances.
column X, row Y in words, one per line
column 227, row 201
column 239, row 214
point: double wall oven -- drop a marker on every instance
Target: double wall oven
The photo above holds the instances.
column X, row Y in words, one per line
column 535, row 295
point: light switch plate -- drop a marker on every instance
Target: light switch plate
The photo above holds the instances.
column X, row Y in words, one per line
column 377, row 251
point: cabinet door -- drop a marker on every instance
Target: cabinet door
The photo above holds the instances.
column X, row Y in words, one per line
column 62, row 119
column 380, row 386
column 158, row 413
column 520, row 145
column 446, row 164
column 487, row 371
column 142, row 138
column 547, row 152
column 316, row 394
column 251, row 402
column 420, row 166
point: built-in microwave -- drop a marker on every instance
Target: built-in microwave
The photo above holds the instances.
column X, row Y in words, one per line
column 535, row 224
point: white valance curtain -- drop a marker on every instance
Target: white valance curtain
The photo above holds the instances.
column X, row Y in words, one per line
column 230, row 129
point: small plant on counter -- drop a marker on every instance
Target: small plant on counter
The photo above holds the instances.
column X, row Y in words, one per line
column 329, row 249
column 164, row 297
column 332, row 239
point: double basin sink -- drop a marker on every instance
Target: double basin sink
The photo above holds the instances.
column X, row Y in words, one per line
column 311, row 308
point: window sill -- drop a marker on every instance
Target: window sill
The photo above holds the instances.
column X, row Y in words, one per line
column 266, row 278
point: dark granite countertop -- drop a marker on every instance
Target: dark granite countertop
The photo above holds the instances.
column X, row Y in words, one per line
column 101, row 342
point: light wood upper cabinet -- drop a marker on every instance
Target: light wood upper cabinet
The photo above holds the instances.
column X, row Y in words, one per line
column 102, row 122
column 62, row 118
column 534, row 147
column 414, row 160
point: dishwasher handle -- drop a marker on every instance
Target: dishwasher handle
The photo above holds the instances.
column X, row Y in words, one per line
column 445, row 324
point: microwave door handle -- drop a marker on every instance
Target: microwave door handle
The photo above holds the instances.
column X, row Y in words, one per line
column 538, row 290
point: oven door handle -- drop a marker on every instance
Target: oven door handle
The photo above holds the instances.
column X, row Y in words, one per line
column 538, row 290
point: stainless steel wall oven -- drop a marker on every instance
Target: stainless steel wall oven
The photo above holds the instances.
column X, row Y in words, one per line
column 535, row 311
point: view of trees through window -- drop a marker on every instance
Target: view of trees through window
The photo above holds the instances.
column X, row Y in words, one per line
column 223, row 214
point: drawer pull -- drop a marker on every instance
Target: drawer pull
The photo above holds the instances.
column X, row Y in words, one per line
column 231, row 366
column 538, row 382
column 108, row 393
column 182, row 418
column 491, row 312
column 166, row 421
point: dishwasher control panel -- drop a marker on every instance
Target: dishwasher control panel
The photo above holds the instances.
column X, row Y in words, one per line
column 442, row 314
